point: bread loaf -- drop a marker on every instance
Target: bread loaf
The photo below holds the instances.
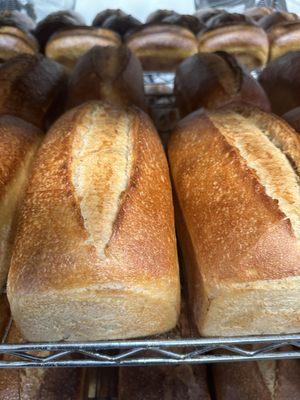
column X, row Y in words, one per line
column 276, row 18
column 117, row 21
column 29, row 85
column 263, row 380
column 14, row 41
column 18, row 143
column 102, row 16
column 95, row 254
column 67, row 46
column 55, row 22
column 113, row 74
column 236, row 178
column 40, row 383
column 283, row 38
column 281, row 82
column 17, row 19
column 162, row 47
column 237, row 35
column 212, row 80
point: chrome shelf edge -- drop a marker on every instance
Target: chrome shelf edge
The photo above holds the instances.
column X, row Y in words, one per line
column 122, row 353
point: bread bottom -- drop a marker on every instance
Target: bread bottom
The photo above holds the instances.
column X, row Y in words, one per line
column 82, row 316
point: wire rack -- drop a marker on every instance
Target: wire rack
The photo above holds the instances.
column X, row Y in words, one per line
column 150, row 352
column 117, row 353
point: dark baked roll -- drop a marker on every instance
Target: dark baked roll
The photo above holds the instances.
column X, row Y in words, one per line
column 117, row 21
column 113, row 74
column 281, row 82
column 257, row 13
column 30, row 85
column 103, row 15
column 205, row 14
column 237, row 35
column 55, row 22
column 17, row 19
column 276, row 18
column 217, row 79
column 67, row 46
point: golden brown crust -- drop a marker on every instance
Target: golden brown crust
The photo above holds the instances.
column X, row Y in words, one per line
column 249, row 44
column 133, row 247
column 14, row 41
column 18, row 143
column 242, row 251
column 54, row 22
column 217, row 80
column 112, row 74
column 67, row 46
column 28, row 87
column 163, row 46
column 280, row 80
column 284, row 38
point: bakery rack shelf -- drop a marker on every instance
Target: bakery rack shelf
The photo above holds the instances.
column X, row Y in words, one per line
column 150, row 352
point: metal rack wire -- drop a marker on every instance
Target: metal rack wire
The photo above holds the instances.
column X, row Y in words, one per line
column 146, row 352
column 151, row 352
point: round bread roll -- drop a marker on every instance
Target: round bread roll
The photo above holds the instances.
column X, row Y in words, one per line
column 161, row 47
column 17, row 19
column 67, row 46
column 281, row 82
column 217, row 80
column 102, row 16
column 283, row 38
column 269, row 21
column 55, row 22
column 14, row 41
column 237, row 35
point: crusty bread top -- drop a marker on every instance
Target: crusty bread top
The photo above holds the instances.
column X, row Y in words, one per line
column 17, row 137
column 236, row 177
column 23, row 41
column 161, row 36
column 111, row 73
column 271, row 149
column 99, row 179
column 28, row 86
